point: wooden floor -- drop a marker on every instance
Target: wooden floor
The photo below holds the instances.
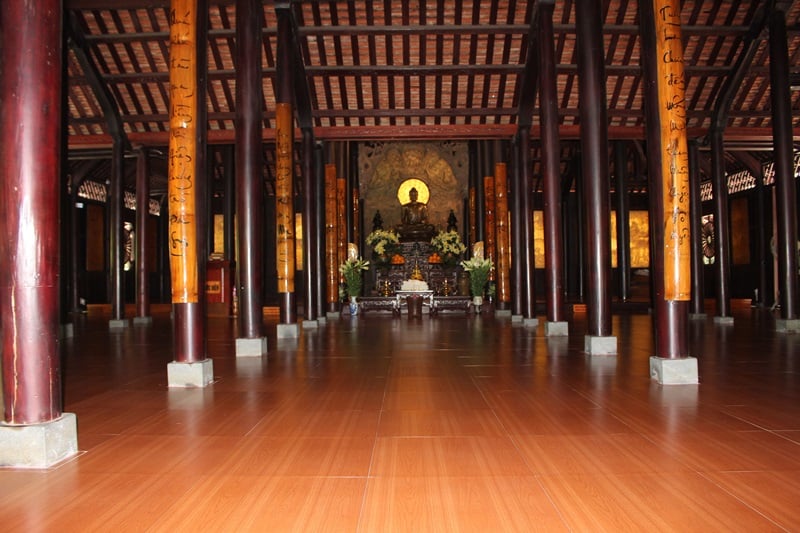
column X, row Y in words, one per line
column 447, row 424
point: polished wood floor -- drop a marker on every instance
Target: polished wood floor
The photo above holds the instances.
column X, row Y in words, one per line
column 447, row 424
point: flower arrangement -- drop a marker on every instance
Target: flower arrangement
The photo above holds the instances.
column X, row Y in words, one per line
column 383, row 242
column 448, row 243
column 351, row 271
column 478, row 269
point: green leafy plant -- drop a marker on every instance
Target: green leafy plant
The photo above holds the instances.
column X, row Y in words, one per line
column 478, row 273
column 351, row 272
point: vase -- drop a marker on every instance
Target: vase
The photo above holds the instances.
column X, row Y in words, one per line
column 477, row 301
column 353, row 306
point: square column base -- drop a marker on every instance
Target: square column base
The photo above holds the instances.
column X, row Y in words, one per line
column 187, row 375
column 783, row 325
column 67, row 330
column 681, row 371
column 39, row 445
column 502, row 313
column 333, row 315
column 557, row 329
column 251, row 347
column 597, row 345
column 697, row 316
column 288, row 331
column 142, row 320
column 119, row 324
column 516, row 319
column 723, row 320
column 321, row 320
column 530, row 322
column 310, row 324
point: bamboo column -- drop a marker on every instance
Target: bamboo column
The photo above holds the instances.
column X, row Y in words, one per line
column 310, row 270
column 341, row 220
column 502, row 242
column 668, row 170
column 489, row 219
column 284, row 171
column 182, row 192
column 332, row 237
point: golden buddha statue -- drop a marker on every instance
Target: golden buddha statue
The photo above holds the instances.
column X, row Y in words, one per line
column 414, row 224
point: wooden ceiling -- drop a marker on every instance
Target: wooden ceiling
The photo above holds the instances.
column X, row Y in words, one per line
column 420, row 69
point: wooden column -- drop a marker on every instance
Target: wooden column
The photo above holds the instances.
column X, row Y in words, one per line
column 142, row 216
column 722, row 242
column 668, row 171
column 332, row 237
column 248, row 168
column 183, row 242
column 518, row 245
column 341, row 220
column 502, row 243
column 551, row 168
column 284, row 170
column 116, row 246
column 321, row 230
column 594, row 149
column 623, row 220
column 229, row 204
column 525, row 193
column 785, row 185
column 30, row 104
column 310, row 214
column 697, row 302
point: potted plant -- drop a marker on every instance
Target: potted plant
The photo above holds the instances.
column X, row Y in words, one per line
column 478, row 269
column 351, row 272
column 449, row 246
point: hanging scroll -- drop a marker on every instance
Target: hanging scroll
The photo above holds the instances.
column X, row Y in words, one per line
column 181, row 186
column 671, row 83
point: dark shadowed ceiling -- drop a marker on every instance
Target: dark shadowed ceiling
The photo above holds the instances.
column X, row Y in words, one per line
column 410, row 70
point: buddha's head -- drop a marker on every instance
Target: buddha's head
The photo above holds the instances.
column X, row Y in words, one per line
column 413, row 194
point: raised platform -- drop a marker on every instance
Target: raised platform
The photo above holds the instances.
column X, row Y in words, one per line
column 393, row 305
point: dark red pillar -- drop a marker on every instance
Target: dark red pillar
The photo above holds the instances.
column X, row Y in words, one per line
column 249, row 195
column 722, row 242
column 528, row 259
column 310, row 213
column 623, row 220
column 142, row 215
column 551, row 154
column 594, row 150
column 30, row 153
column 697, row 303
column 785, row 186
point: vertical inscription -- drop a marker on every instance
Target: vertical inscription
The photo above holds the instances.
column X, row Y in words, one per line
column 331, row 233
column 502, row 243
column 181, row 191
column 671, row 82
column 284, row 211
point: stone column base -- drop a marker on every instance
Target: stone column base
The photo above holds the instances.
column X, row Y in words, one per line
column 251, row 347
column 530, row 322
column 502, row 313
column 187, row 375
column 119, row 324
column 333, row 315
column 516, row 319
column 558, row 329
column 321, row 320
column 67, row 330
column 39, row 445
column 783, row 325
column 597, row 345
column 288, row 331
column 681, row 371
column 697, row 316
column 142, row 320
column 310, row 324
column 723, row 320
